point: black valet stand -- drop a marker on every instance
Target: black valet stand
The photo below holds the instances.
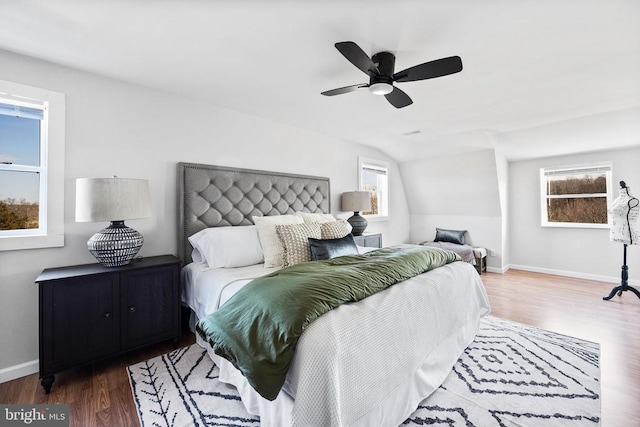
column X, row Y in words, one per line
column 624, row 284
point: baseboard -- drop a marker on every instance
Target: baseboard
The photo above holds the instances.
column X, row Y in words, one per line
column 497, row 270
column 18, row 371
column 575, row 274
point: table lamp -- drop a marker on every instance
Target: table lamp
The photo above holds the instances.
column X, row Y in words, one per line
column 356, row 202
column 115, row 200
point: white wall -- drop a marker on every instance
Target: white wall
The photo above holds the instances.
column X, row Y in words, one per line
column 114, row 128
column 579, row 252
column 460, row 192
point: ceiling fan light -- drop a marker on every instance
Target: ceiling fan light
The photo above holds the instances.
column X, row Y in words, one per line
column 380, row 88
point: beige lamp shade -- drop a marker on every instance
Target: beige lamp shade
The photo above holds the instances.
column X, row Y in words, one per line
column 356, row 201
column 112, row 199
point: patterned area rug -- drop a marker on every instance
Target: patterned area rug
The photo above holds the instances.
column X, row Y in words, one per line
column 511, row 375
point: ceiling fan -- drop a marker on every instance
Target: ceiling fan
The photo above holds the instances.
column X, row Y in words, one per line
column 380, row 67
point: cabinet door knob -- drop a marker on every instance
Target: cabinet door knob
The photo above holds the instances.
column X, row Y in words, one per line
column 132, row 309
column 107, row 315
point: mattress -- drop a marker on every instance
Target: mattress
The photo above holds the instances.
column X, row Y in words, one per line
column 365, row 363
column 205, row 289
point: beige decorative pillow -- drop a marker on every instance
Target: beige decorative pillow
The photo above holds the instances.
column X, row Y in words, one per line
column 294, row 240
column 315, row 217
column 271, row 247
column 335, row 230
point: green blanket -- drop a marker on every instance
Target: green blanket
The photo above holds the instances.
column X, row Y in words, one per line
column 258, row 328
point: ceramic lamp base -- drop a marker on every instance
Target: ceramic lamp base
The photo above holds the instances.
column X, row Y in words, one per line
column 358, row 224
column 115, row 245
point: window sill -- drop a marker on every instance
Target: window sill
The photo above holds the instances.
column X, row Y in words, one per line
column 575, row 225
column 376, row 218
column 31, row 242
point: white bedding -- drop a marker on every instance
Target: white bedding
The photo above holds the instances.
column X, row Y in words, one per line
column 205, row 289
column 366, row 363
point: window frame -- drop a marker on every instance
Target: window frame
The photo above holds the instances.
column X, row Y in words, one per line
column 52, row 141
column 384, row 201
column 606, row 167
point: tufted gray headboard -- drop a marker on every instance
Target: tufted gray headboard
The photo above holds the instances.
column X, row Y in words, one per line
column 214, row 196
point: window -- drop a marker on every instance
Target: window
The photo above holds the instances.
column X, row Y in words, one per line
column 31, row 167
column 374, row 177
column 576, row 196
column 21, row 167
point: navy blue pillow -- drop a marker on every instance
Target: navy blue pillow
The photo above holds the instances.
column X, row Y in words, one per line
column 331, row 248
column 451, row 236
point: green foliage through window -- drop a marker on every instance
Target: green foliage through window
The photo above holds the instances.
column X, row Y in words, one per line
column 18, row 216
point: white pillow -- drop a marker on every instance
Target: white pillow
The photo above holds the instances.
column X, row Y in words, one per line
column 227, row 247
column 196, row 256
column 272, row 248
column 335, row 229
column 309, row 218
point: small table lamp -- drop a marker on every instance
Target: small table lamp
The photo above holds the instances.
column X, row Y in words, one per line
column 356, row 202
column 113, row 199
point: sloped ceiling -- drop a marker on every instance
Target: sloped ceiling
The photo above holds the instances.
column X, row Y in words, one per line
column 530, row 66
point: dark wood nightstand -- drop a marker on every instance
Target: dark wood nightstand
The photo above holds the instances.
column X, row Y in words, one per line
column 91, row 312
column 370, row 240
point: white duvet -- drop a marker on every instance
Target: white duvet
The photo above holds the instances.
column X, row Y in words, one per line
column 365, row 363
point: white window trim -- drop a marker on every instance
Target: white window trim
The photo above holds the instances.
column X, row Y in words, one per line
column 53, row 157
column 543, row 194
column 363, row 160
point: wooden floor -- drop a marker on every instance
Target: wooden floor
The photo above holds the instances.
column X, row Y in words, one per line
column 99, row 395
column 575, row 307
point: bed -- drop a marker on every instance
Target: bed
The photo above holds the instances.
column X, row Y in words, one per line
column 364, row 363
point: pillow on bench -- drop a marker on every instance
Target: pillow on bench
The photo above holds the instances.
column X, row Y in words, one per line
column 450, row 236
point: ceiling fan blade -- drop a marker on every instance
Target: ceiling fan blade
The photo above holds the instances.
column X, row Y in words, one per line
column 398, row 98
column 429, row 70
column 345, row 89
column 357, row 57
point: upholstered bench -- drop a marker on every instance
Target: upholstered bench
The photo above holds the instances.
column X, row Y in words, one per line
column 454, row 240
column 480, row 255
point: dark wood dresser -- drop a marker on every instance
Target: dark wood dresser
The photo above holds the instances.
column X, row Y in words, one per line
column 91, row 312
